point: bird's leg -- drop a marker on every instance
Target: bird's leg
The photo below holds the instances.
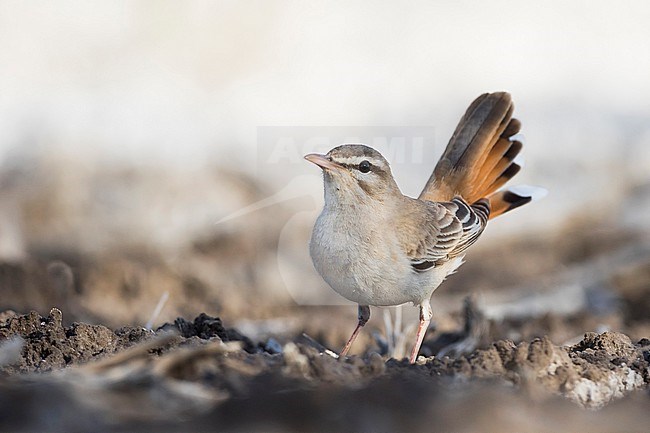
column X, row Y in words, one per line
column 425, row 318
column 364, row 316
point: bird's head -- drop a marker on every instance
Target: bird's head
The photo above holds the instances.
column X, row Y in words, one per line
column 354, row 173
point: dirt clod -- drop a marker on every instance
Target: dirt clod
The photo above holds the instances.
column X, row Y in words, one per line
column 49, row 345
column 206, row 327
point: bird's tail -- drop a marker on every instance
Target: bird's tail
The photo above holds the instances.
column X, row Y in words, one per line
column 480, row 158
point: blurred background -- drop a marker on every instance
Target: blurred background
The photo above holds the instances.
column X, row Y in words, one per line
column 150, row 154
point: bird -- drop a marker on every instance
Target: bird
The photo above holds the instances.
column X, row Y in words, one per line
column 378, row 247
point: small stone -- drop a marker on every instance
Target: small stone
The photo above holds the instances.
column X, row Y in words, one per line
column 272, row 346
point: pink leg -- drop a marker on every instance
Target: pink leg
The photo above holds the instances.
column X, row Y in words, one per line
column 364, row 316
column 425, row 318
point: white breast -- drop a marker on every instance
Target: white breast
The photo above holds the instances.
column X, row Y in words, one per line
column 369, row 267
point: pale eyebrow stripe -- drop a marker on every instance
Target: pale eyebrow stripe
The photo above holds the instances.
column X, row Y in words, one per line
column 355, row 160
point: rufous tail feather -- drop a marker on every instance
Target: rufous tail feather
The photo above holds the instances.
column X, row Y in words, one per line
column 480, row 157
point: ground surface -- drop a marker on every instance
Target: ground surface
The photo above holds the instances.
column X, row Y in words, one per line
column 198, row 373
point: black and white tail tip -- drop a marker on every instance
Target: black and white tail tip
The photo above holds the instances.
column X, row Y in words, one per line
column 520, row 195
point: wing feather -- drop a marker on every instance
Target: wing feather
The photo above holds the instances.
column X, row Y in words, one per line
column 446, row 231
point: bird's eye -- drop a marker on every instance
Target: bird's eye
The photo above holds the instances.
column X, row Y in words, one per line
column 364, row 167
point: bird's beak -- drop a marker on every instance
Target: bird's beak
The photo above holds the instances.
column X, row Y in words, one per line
column 322, row 161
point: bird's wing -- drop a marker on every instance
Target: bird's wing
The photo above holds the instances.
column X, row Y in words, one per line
column 442, row 230
column 473, row 219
